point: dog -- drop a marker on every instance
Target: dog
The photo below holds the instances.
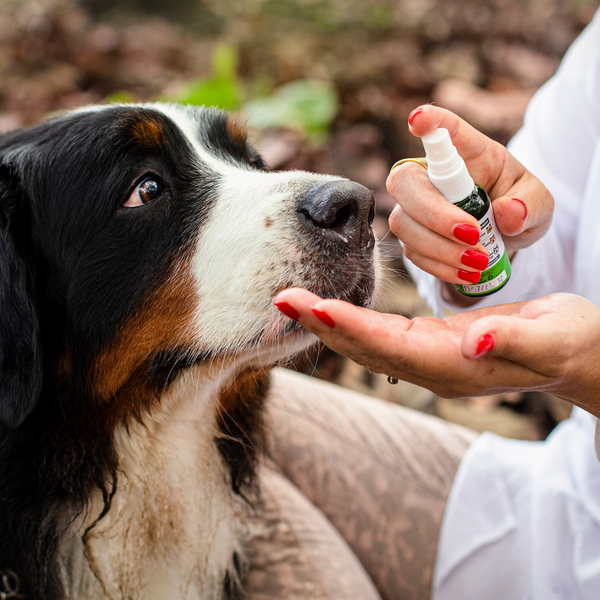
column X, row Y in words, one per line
column 140, row 249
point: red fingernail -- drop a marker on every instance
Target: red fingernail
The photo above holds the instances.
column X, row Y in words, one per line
column 287, row 310
column 524, row 207
column 323, row 317
column 414, row 113
column 485, row 344
column 469, row 276
column 474, row 258
column 466, row 233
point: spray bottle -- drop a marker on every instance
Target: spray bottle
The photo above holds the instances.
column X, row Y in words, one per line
column 448, row 173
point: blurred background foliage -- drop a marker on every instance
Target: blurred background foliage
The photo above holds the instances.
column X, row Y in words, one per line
column 224, row 88
column 325, row 85
column 308, row 106
column 373, row 60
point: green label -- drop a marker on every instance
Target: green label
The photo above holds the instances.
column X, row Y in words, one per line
column 498, row 271
column 491, row 279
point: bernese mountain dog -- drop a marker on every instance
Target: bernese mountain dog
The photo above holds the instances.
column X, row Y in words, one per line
column 140, row 249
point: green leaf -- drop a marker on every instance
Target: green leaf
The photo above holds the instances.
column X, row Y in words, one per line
column 307, row 105
column 119, row 97
column 223, row 89
column 223, row 93
column 225, row 62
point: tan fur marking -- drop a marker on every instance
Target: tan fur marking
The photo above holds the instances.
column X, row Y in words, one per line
column 149, row 132
column 161, row 324
column 236, row 132
column 245, row 389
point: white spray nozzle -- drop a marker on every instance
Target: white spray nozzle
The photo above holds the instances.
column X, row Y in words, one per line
column 446, row 169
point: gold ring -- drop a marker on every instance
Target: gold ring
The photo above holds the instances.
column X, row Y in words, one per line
column 420, row 161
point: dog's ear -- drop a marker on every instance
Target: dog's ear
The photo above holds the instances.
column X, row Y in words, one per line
column 20, row 348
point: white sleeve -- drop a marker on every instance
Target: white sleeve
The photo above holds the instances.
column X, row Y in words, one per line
column 556, row 143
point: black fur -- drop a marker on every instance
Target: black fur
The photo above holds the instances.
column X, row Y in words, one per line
column 243, row 428
column 20, row 351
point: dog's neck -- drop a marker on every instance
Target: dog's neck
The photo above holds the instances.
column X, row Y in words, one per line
column 174, row 525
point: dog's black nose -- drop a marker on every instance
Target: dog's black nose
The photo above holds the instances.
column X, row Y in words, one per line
column 341, row 209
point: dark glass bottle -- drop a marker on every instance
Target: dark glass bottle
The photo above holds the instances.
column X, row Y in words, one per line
column 498, row 271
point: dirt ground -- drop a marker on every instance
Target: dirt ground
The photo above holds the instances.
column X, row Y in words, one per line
column 481, row 59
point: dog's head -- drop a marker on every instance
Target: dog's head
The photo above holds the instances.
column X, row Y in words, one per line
column 139, row 240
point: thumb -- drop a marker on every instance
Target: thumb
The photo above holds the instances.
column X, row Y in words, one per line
column 531, row 343
column 526, row 207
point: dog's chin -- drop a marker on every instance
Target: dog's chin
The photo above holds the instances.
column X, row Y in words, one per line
column 361, row 292
column 288, row 337
column 279, row 338
column 293, row 341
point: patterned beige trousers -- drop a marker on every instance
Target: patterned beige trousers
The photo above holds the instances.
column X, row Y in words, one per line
column 352, row 506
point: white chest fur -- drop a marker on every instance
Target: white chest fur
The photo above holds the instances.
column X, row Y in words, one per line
column 174, row 523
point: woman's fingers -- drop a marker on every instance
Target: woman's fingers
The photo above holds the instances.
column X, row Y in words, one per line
column 444, row 257
column 365, row 336
column 418, row 198
column 437, row 236
column 383, row 343
column 456, row 275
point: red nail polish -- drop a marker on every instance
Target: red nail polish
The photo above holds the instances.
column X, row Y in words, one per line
column 485, row 344
column 287, row 310
column 323, row 317
column 466, row 233
column 475, row 259
column 414, row 113
column 523, row 204
column 469, row 276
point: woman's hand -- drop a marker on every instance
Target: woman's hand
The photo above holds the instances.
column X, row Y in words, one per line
column 550, row 344
column 439, row 237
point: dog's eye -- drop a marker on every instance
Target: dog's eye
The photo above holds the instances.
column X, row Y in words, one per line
column 148, row 190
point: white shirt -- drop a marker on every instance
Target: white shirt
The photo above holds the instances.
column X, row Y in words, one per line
column 523, row 518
